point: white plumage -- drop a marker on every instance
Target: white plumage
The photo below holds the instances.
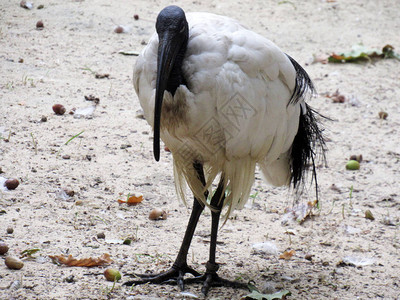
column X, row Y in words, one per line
column 224, row 100
column 234, row 112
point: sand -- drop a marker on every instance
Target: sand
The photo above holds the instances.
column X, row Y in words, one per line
column 112, row 157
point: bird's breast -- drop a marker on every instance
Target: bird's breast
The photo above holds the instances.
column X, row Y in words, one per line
column 175, row 110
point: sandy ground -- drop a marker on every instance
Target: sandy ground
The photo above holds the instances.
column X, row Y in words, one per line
column 113, row 158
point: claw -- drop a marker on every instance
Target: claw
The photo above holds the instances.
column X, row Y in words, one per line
column 207, row 283
column 180, row 281
column 175, row 275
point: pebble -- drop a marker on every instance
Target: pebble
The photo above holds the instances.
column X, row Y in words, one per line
column 101, row 235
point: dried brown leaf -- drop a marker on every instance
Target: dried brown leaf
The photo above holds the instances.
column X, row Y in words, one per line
column 287, row 254
column 84, row 262
column 132, row 200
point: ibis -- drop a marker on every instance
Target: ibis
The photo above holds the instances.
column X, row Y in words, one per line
column 224, row 100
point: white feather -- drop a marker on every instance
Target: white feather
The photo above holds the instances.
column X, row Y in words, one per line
column 234, row 112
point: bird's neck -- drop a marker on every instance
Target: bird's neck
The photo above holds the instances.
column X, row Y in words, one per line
column 176, row 77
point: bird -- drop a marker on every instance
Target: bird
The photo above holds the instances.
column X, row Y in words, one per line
column 224, row 100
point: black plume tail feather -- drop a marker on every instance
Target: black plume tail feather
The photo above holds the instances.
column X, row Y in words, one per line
column 309, row 144
column 303, row 85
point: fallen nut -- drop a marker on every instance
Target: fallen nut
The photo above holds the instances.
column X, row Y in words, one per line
column 3, row 248
column 358, row 158
column 13, row 263
column 39, row 24
column 112, row 275
column 158, row 214
column 119, row 29
column 353, row 165
column 369, row 215
column 11, row 184
column 59, row 109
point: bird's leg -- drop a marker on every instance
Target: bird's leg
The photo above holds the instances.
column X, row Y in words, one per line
column 180, row 267
column 211, row 278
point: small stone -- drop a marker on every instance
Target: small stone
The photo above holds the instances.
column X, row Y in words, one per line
column 101, row 235
column 13, row 263
column 69, row 192
column 136, row 17
column 308, row 257
column 383, row 115
column 69, row 279
column 10, row 230
column 79, row 203
column 41, row 6
column 26, row 4
column 127, row 241
column 43, row 119
column 66, row 156
column 124, row 146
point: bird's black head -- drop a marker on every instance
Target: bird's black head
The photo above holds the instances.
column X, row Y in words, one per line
column 172, row 20
column 173, row 35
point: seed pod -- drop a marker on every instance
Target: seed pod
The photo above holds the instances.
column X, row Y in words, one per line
column 353, row 165
column 112, row 275
column 13, row 263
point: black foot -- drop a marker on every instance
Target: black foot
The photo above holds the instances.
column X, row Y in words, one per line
column 175, row 275
column 211, row 279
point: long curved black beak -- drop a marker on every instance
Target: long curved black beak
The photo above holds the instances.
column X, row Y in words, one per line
column 167, row 52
